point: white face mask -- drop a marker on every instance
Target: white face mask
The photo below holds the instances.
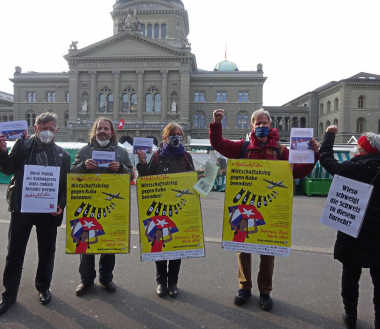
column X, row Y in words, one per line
column 46, row 136
column 103, row 143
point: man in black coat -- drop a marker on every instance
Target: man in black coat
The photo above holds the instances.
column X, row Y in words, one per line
column 39, row 150
column 364, row 251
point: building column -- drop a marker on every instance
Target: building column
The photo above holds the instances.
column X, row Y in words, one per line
column 73, row 94
column 140, row 95
column 164, row 95
column 93, row 96
column 185, row 95
column 116, row 96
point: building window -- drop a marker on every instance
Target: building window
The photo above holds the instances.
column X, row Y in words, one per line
column 153, row 101
column 133, row 102
column 303, row 122
column 360, row 125
column 105, row 99
column 31, row 96
column 336, row 105
column 50, row 97
column 321, row 109
column 156, row 31
column 199, row 97
column 328, row 106
column 321, row 129
column 142, row 29
column 224, row 121
column 335, row 122
column 242, row 121
column 199, row 120
column 294, row 122
column 67, row 97
column 149, row 31
column 243, row 96
column 173, row 102
column 163, row 31
column 4, row 118
column 30, row 117
column 361, row 102
column 84, row 102
column 221, row 97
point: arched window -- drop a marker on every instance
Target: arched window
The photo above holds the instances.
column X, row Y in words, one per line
column 360, row 125
column 335, row 122
column 199, row 120
column 84, row 102
column 361, row 102
column 328, row 106
column 105, row 99
column 66, row 118
column 336, row 104
column 128, row 101
column 156, row 31
column 242, row 121
column 153, row 101
column 30, row 117
column 295, row 122
column 321, row 109
column 303, row 122
column 163, row 31
column 173, row 102
column 149, row 31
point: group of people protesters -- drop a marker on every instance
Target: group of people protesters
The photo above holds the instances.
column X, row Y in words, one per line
column 171, row 157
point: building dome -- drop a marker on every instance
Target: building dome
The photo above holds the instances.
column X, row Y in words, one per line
column 226, row 66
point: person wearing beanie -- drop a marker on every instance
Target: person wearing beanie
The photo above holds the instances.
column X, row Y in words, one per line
column 363, row 251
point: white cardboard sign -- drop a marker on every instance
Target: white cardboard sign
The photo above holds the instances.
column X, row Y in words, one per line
column 346, row 205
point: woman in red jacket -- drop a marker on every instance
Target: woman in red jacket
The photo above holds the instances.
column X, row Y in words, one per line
column 263, row 144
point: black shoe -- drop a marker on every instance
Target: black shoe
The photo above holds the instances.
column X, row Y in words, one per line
column 161, row 290
column 242, row 297
column 349, row 321
column 173, row 291
column 109, row 287
column 265, row 302
column 45, row 297
column 4, row 306
column 82, row 289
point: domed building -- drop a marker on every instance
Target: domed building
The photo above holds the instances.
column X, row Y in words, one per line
column 144, row 74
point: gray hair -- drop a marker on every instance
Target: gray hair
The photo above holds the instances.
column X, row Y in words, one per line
column 259, row 112
column 373, row 139
column 45, row 118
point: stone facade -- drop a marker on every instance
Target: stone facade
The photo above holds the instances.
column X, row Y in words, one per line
column 6, row 107
column 146, row 75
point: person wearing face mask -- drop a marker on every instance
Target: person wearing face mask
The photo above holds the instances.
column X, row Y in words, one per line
column 363, row 251
column 102, row 138
column 170, row 158
column 263, row 144
column 40, row 150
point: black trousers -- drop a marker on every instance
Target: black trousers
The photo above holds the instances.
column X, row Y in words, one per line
column 87, row 268
column 350, row 286
column 167, row 275
column 18, row 236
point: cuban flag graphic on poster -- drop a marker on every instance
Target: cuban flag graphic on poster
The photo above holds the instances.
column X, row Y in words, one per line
column 248, row 212
column 86, row 224
column 163, row 223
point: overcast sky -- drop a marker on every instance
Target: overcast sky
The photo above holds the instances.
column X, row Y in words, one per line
column 302, row 44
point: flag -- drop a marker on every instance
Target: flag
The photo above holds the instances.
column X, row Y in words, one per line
column 86, row 224
column 121, row 124
column 163, row 223
column 247, row 212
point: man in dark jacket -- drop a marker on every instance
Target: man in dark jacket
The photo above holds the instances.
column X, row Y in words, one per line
column 263, row 144
column 102, row 138
column 40, row 150
column 363, row 251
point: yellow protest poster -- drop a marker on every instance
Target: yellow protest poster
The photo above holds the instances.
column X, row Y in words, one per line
column 258, row 207
column 170, row 217
column 98, row 214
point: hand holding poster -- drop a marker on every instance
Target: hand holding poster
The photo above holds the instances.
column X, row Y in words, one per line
column 97, row 214
column 103, row 158
column 346, row 205
column 258, row 207
column 300, row 150
column 40, row 189
column 170, row 217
